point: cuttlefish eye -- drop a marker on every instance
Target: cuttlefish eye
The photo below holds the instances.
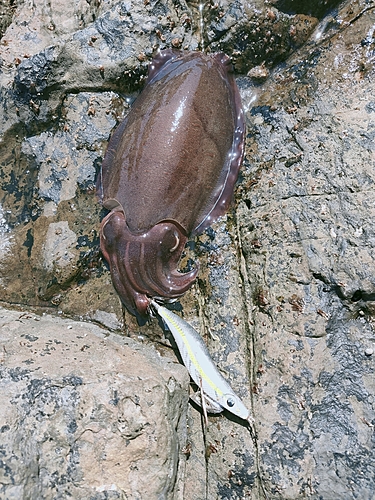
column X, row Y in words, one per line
column 230, row 402
column 171, row 239
column 177, row 241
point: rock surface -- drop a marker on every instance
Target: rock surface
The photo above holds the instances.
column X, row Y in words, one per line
column 287, row 279
column 306, row 235
column 87, row 414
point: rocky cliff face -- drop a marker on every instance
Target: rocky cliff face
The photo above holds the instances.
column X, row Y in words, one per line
column 287, row 278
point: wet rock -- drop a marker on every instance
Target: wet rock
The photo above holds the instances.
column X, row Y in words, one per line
column 316, row 9
column 87, row 414
column 254, row 36
column 68, row 81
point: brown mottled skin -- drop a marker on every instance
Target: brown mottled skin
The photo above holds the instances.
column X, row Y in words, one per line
column 169, row 172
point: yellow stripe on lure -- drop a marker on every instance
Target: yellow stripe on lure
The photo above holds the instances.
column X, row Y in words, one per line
column 215, row 389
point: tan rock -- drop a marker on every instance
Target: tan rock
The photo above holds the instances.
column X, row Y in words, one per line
column 85, row 412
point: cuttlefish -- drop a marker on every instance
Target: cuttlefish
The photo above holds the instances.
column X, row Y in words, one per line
column 169, row 173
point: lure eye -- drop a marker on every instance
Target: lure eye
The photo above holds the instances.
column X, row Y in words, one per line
column 230, row 402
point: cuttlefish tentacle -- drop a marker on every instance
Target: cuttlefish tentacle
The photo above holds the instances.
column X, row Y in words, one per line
column 144, row 265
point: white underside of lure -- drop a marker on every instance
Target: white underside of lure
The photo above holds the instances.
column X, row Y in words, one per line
column 216, row 393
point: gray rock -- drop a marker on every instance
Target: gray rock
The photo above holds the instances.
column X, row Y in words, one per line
column 306, row 237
